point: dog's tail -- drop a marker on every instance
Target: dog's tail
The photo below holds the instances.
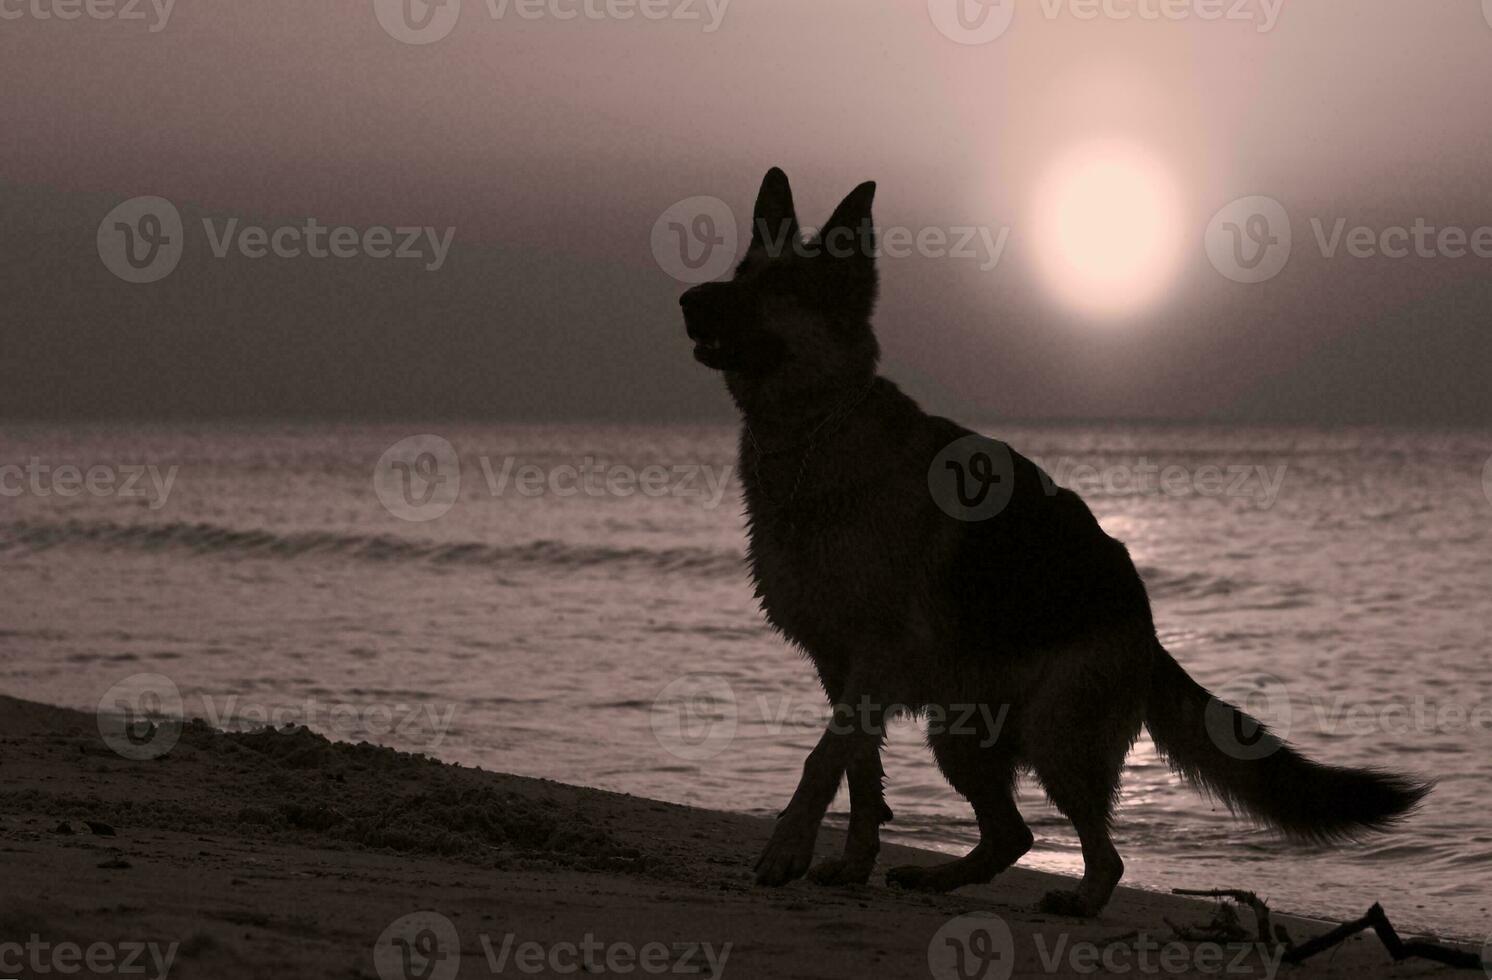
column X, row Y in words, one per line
column 1234, row 758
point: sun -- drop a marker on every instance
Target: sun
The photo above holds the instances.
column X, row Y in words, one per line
column 1107, row 228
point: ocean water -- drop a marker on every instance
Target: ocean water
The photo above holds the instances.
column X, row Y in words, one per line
column 571, row 602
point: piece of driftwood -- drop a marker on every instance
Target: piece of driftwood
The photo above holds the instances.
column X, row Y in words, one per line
column 1376, row 919
column 1223, row 927
column 1268, row 934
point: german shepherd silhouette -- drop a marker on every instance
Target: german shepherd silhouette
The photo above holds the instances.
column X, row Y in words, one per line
column 900, row 600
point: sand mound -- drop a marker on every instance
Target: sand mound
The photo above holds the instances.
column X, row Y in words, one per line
column 291, row 782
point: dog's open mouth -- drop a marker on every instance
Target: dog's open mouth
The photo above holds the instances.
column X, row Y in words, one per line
column 711, row 352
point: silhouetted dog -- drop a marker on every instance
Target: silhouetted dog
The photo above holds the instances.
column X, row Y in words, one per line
column 1008, row 601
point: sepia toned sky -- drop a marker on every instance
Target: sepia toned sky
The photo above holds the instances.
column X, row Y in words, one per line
column 551, row 144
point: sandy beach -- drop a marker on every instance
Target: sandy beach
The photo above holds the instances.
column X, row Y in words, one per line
column 281, row 854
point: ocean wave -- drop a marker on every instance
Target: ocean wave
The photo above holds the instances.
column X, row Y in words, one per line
column 1163, row 584
column 212, row 539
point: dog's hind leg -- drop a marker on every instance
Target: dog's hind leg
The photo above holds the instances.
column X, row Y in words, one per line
column 986, row 777
column 1088, row 804
column 1078, row 756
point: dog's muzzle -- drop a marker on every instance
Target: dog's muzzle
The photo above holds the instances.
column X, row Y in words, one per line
column 713, row 316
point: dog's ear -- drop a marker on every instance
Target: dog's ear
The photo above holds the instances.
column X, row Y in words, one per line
column 849, row 271
column 774, row 223
column 850, row 231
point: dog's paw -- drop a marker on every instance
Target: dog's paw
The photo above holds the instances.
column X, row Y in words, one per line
column 1069, row 903
column 839, row 871
column 788, row 855
column 913, row 877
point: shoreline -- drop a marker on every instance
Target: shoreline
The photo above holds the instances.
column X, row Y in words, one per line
column 270, row 852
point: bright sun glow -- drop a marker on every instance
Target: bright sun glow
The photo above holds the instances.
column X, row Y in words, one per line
column 1107, row 228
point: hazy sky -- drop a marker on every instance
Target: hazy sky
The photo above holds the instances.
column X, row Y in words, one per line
column 550, row 145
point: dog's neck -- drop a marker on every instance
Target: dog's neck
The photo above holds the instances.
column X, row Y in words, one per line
column 788, row 424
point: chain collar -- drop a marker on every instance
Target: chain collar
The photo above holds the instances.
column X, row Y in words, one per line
column 827, row 425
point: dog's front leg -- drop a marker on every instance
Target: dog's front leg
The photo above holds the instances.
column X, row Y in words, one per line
column 847, row 743
column 868, row 810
